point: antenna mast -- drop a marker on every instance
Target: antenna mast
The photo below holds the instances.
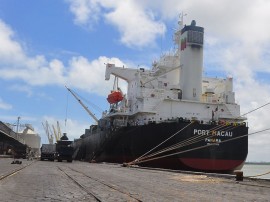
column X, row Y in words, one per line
column 181, row 20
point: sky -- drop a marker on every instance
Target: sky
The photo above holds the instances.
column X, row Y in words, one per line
column 47, row 44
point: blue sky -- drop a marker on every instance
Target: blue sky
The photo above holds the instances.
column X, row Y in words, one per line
column 47, row 44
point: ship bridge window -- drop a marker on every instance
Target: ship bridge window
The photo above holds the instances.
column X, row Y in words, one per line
column 195, row 37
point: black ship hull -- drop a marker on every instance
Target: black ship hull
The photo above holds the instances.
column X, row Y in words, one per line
column 210, row 154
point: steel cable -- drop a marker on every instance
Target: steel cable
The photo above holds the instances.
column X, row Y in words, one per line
column 162, row 142
column 184, row 143
column 201, row 147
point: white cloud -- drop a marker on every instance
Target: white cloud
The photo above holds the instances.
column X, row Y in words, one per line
column 90, row 75
column 136, row 25
column 4, row 105
column 86, row 12
column 35, row 71
column 9, row 46
column 38, row 71
column 15, row 64
column 22, row 88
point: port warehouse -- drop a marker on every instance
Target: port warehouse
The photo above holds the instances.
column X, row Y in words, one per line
column 18, row 144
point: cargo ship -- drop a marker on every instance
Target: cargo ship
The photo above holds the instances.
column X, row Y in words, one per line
column 171, row 115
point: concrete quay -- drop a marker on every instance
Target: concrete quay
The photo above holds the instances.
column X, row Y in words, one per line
column 81, row 181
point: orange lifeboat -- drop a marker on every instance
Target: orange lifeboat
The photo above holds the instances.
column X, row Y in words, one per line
column 114, row 97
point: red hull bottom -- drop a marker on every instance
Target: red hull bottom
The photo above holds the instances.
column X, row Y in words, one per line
column 195, row 164
column 212, row 164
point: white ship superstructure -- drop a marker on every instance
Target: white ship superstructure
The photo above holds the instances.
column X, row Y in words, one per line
column 174, row 87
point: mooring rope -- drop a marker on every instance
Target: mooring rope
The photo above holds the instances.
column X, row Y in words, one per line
column 186, row 142
column 259, row 174
column 197, row 148
column 256, row 109
column 162, row 142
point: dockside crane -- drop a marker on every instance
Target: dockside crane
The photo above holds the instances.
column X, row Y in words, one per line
column 48, row 132
column 83, row 105
column 57, row 131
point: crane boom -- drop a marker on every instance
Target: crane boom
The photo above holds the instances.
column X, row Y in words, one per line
column 59, row 130
column 83, row 105
column 55, row 133
column 48, row 132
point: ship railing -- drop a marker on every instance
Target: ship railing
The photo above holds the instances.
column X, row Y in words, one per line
column 211, row 99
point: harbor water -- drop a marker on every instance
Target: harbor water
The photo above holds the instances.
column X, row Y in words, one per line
column 251, row 170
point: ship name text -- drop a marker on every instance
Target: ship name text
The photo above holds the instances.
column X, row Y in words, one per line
column 213, row 133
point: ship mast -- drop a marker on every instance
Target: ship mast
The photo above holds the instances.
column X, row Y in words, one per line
column 181, row 21
column 83, row 105
column 177, row 34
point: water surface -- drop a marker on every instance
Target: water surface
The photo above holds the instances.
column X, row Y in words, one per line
column 256, row 169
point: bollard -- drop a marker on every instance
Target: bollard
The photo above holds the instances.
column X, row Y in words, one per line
column 238, row 175
column 125, row 164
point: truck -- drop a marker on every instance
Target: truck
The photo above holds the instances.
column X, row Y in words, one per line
column 47, row 152
column 64, row 149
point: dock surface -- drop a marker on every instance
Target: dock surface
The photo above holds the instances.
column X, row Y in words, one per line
column 81, row 181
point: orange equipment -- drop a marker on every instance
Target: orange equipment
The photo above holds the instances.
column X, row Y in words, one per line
column 114, row 97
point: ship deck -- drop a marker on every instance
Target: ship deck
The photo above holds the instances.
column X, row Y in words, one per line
column 81, row 181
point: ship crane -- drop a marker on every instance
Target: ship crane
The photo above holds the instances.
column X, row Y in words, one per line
column 59, row 130
column 48, row 132
column 83, row 105
column 56, row 133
